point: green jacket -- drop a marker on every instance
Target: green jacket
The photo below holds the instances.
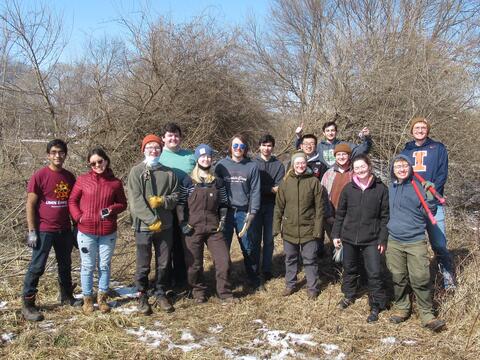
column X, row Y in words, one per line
column 298, row 214
column 144, row 182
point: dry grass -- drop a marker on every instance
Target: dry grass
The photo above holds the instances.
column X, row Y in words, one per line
column 66, row 333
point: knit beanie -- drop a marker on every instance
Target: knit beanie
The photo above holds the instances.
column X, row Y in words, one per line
column 203, row 149
column 418, row 119
column 342, row 147
column 151, row 138
column 298, row 154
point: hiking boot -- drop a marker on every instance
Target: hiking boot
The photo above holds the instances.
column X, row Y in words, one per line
column 345, row 303
column 374, row 311
column 200, row 300
column 66, row 297
column 435, row 325
column 143, row 306
column 288, row 291
column 102, row 302
column 162, row 302
column 29, row 310
column 312, row 295
column 87, row 307
column 397, row 318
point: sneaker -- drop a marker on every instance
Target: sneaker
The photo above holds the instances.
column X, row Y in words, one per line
column 164, row 304
column 435, row 325
column 374, row 311
column 345, row 303
column 288, row 291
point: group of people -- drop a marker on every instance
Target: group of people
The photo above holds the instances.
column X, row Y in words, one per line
column 179, row 201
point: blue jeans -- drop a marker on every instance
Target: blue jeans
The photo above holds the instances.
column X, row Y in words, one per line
column 62, row 243
column 251, row 252
column 438, row 240
column 93, row 247
column 263, row 232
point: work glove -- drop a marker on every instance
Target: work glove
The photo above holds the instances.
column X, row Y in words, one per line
column 156, row 201
column 223, row 216
column 248, row 222
column 32, row 239
column 156, row 226
column 187, row 229
column 427, row 185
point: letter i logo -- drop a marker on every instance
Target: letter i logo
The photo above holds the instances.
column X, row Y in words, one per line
column 419, row 165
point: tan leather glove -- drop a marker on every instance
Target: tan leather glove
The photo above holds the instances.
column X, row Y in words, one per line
column 156, row 226
column 155, row 201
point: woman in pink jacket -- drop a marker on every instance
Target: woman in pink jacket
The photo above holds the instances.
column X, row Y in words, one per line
column 96, row 200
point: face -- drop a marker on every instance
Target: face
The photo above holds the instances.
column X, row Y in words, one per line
column 299, row 165
column 238, row 149
column 401, row 169
column 205, row 161
column 97, row 163
column 56, row 156
column 153, row 149
column 330, row 132
column 361, row 169
column 172, row 140
column 342, row 158
column 266, row 149
column 420, row 131
column 308, row 146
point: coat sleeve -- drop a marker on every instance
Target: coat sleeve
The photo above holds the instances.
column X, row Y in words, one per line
column 74, row 202
column 279, row 209
column 120, row 201
column 340, row 214
column 319, row 209
column 255, row 196
column 138, row 204
column 384, row 217
column 363, row 148
column 171, row 198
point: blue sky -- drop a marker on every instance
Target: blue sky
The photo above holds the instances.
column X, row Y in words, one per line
column 84, row 18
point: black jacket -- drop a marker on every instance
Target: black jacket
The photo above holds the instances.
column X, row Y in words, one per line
column 362, row 216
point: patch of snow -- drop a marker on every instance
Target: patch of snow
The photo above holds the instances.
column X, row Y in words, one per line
column 258, row 321
column 8, row 337
column 388, row 340
column 216, row 329
column 150, row 337
column 126, row 310
column 186, row 347
column 3, row 304
column 127, row 292
column 329, row 348
column 340, row 356
column 409, row 342
column 47, row 325
column 187, row 336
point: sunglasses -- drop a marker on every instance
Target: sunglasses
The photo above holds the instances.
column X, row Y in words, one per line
column 241, row 146
column 95, row 163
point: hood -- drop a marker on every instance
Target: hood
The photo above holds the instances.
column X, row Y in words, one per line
column 308, row 172
column 315, row 157
column 400, row 157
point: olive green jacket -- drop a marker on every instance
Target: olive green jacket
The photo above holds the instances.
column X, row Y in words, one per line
column 298, row 214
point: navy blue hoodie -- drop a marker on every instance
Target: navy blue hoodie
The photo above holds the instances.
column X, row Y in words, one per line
column 408, row 219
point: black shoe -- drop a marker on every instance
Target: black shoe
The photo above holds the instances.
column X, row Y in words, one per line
column 143, row 306
column 164, row 304
column 345, row 303
column 66, row 297
column 30, row 311
column 267, row 276
column 373, row 315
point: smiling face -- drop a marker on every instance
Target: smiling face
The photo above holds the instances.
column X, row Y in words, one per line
column 97, row 163
column 172, row 140
column 401, row 169
column 342, row 158
column 330, row 133
column 420, row 131
column 361, row 169
column 56, row 157
column 152, row 149
column 205, row 161
column 308, row 146
column 299, row 165
column 238, row 149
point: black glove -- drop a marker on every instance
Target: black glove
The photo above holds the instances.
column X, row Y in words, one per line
column 187, row 229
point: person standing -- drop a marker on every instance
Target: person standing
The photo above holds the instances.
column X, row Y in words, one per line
column 407, row 254
column 272, row 172
column 49, row 226
column 298, row 217
column 202, row 209
column 181, row 161
column 430, row 160
column 361, row 227
column 95, row 202
column 242, row 181
column 152, row 195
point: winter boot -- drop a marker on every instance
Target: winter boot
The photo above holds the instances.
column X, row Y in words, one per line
column 29, row 310
column 88, row 305
column 67, row 298
column 143, row 306
column 162, row 302
column 102, row 302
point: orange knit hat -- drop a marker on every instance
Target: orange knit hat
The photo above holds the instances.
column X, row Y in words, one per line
column 151, row 138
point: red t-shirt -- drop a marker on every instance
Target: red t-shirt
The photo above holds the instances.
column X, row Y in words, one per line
column 53, row 189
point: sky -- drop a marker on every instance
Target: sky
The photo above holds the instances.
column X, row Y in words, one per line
column 85, row 18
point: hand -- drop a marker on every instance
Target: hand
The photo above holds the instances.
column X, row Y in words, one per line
column 156, row 226
column 337, row 243
column 155, row 201
column 427, row 185
column 246, row 225
column 299, row 130
column 187, row 229
column 364, row 132
column 381, row 248
column 274, row 189
column 221, row 225
column 32, row 239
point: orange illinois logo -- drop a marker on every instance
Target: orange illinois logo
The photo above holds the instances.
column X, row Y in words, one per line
column 419, row 165
column 62, row 190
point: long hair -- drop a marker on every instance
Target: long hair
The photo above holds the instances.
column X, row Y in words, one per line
column 196, row 178
column 243, row 139
column 100, row 152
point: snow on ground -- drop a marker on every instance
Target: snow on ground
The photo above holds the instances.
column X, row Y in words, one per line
column 8, row 337
column 132, row 309
column 216, row 329
column 388, row 340
column 48, row 326
column 126, row 292
column 3, row 304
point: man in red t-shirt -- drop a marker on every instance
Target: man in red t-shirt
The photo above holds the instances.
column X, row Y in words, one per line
column 49, row 225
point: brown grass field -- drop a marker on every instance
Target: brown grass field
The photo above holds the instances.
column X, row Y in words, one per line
column 262, row 326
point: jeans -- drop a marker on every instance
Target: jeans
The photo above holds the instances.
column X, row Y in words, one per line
column 263, row 232
column 234, row 221
column 62, row 242
column 438, row 240
column 93, row 247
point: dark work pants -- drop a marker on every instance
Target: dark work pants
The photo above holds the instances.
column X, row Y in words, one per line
column 62, row 242
column 162, row 243
column 308, row 253
column 194, row 246
column 352, row 255
column 177, row 269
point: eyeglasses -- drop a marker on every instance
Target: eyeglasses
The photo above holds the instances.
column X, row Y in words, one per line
column 95, row 163
column 237, row 146
column 399, row 167
column 153, row 148
column 308, row 144
column 361, row 167
column 55, row 153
